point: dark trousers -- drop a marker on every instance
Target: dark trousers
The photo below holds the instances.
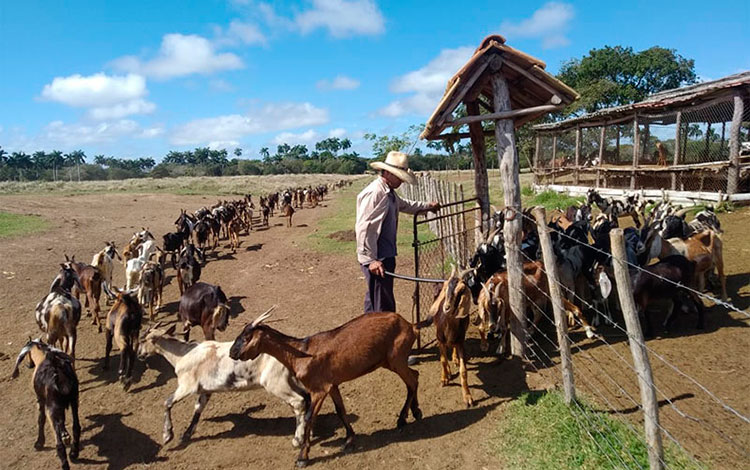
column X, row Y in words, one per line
column 379, row 296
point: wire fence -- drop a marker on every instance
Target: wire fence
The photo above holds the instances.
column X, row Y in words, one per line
column 440, row 241
column 708, row 431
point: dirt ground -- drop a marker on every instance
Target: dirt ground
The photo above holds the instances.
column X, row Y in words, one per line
column 252, row 429
column 314, row 292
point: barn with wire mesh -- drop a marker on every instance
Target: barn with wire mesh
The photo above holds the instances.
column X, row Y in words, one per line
column 693, row 142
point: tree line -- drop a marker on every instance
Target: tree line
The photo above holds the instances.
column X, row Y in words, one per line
column 605, row 77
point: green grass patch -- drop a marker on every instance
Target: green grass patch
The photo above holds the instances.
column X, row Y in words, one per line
column 554, row 200
column 541, row 432
column 15, row 224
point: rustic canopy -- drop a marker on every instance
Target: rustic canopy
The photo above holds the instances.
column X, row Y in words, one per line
column 513, row 88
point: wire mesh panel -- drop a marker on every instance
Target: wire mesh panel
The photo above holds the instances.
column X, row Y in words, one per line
column 441, row 242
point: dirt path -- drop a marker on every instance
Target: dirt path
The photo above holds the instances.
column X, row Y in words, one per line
column 252, row 429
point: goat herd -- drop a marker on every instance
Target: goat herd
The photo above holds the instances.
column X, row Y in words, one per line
column 303, row 372
column 198, row 366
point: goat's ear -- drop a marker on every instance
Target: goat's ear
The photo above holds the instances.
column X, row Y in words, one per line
column 605, row 285
column 62, row 265
column 66, row 257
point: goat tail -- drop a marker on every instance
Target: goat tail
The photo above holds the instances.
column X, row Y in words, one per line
column 424, row 323
column 220, row 316
column 107, row 291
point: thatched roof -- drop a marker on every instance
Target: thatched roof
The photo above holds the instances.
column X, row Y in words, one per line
column 664, row 105
column 529, row 84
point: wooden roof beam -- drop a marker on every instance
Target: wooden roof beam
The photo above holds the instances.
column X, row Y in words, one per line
column 545, row 108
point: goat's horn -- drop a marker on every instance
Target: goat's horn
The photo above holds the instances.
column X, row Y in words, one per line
column 682, row 212
column 263, row 316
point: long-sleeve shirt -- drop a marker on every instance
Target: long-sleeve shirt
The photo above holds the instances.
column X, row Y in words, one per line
column 378, row 207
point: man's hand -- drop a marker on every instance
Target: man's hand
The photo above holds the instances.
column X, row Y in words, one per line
column 376, row 268
column 434, row 206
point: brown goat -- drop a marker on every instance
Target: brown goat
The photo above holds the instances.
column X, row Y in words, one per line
column 494, row 314
column 91, row 280
column 123, row 326
column 288, row 211
column 706, row 250
column 450, row 314
column 325, row 360
column 151, row 286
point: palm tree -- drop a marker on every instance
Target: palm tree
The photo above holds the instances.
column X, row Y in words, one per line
column 56, row 158
column 76, row 157
column 238, row 152
column 264, row 153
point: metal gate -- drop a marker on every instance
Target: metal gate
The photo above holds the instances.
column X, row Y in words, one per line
column 440, row 242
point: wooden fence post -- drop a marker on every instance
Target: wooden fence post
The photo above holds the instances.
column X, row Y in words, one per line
column 561, row 320
column 677, row 150
column 577, row 175
column 636, row 151
column 733, row 173
column 638, row 350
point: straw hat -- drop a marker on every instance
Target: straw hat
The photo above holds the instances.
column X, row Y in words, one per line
column 396, row 163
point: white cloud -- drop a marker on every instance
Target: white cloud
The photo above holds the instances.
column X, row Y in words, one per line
column 227, row 145
column 337, row 132
column 269, row 118
column 221, row 85
column 341, row 82
column 181, row 55
column 307, row 137
column 342, row 18
column 108, row 96
column 76, row 134
column 151, row 132
column 426, row 84
column 121, row 110
column 240, row 32
column 550, row 23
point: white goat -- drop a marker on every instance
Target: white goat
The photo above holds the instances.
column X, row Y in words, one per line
column 104, row 262
column 205, row 368
column 134, row 266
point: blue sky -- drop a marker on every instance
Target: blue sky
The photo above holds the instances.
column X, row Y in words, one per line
column 135, row 78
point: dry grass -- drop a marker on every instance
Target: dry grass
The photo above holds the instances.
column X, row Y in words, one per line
column 224, row 185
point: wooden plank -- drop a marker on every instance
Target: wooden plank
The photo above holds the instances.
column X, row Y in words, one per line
column 638, row 350
column 509, row 114
column 507, row 154
column 541, row 84
column 537, row 149
column 461, row 92
column 677, row 144
column 733, row 174
column 561, row 320
column 576, row 177
column 636, row 150
column 481, row 182
column 554, row 156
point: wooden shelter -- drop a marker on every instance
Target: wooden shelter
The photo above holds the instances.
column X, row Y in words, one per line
column 686, row 140
column 508, row 87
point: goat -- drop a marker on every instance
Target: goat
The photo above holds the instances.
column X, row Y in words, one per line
column 189, row 267
column 59, row 312
column 131, row 249
column 494, row 315
column 91, row 280
column 56, row 386
column 662, row 154
column 173, row 242
column 234, row 227
column 205, row 305
column 325, row 360
column 123, row 326
column 659, row 281
column 450, row 314
column 150, row 287
column 104, row 262
column 706, row 250
column 288, row 211
column 206, row 368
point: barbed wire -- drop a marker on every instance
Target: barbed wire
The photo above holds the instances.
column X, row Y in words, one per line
column 713, row 428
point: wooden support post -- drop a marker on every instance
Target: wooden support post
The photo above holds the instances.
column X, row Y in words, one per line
column 733, row 172
column 507, row 155
column 707, row 149
column 578, row 154
column 481, row 183
column 677, row 148
column 636, row 151
column 638, row 350
column 646, row 137
column 602, row 144
column 561, row 319
column 617, row 144
column 537, row 149
column 554, row 157
column 723, row 138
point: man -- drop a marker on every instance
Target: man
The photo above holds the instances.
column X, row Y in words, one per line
column 378, row 207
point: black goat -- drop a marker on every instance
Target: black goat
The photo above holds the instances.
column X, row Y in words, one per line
column 173, row 243
column 56, row 385
column 189, row 267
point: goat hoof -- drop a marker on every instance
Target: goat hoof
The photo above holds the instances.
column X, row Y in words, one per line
column 469, row 403
column 400, row 424
column 66, row 438
column 39, row 445
column 73, row 454
column 417, row 414
column 166, row 438
column 302, row 463
column 296, row 443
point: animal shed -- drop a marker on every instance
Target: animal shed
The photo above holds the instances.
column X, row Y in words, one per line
column 690, row 141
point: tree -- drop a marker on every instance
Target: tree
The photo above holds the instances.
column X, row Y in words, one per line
column 614, row 76
column 56, row 159
column 76, row 157
column 381, row 145
column 264, row 153
column 238, row 152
